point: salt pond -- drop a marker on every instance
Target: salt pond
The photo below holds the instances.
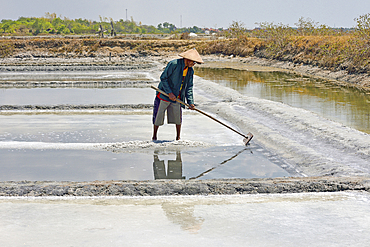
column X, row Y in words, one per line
column 73, row 74
column 308, row 219
column 81, row 145
column 75, row 96
column 80, row 148
column 345, row 105
column 302, row 142
column 115, row 145
column 87, row 165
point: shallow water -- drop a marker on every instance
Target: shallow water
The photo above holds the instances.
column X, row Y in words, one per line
column 75, row 96
column 103, row 141
column 348, row 106
column 89, row 165
column 62, row 146
column 74, row 76
column 106, row 128
column 308, row 219
column 77, row 148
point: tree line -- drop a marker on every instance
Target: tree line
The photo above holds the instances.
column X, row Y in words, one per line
column 53, row 24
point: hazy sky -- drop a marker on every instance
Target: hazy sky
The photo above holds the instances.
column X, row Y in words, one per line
column 201, row 13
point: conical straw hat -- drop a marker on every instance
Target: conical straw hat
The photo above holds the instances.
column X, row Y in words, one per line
column 192, row 55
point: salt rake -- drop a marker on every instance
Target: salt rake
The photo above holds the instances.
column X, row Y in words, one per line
column 247, row 138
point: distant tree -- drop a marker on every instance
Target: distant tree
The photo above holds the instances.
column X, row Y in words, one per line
column 306, row 26
column 195, row 29
column 62, row 29
column 237, row 29
column 166, row 27
column 363, row 26
column 50, row 16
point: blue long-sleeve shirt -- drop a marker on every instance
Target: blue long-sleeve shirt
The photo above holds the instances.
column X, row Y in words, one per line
column 171, row 80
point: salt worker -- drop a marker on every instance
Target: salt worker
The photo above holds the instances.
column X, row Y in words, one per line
column 177, row 82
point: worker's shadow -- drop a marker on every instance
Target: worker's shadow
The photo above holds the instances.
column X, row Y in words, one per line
column 183, row 213
column 174, row 168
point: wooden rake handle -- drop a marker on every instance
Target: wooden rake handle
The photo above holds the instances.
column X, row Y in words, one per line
column 202, row 112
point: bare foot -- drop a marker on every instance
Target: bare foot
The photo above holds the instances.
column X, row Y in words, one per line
column 154, row 138
column 177, row 138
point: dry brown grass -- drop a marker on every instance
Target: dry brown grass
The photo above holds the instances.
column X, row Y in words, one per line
column 330, row 52
column 6, row 49
column 240, row 47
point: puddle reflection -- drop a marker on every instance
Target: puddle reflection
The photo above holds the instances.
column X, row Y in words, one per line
column 183, row 215
column 189, row 163
column 223, row 162
column 238, row 167
column 174, row 168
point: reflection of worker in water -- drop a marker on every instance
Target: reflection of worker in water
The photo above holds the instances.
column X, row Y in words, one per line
column 174, row 168
column 182, row 214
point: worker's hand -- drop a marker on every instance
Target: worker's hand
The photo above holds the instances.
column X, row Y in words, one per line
column 172, row 96
column 192, row 106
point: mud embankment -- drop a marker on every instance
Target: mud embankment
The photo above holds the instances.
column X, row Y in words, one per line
column 90, row 47
column 182, row 188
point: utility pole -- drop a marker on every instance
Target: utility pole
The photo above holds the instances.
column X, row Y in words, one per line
column 180, row 21
column 126, row 14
